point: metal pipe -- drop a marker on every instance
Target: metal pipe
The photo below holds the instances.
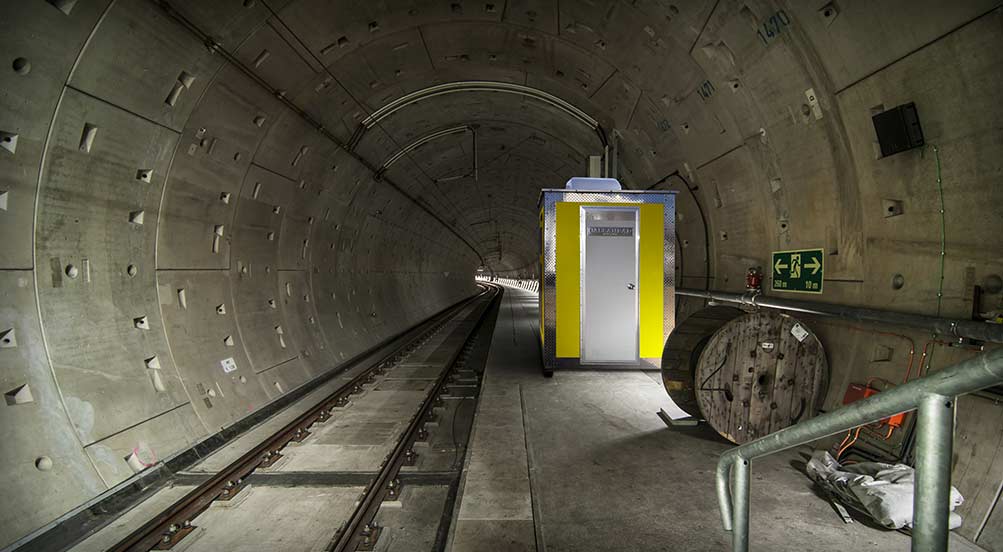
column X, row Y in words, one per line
column 740, row 516
column 615, row 163
column 605, row 161
column 976, row 373
column 723, row 494
column 481, row 86
column 420, row 142
column 473, row 135
column 932, row 485
column 945, row 326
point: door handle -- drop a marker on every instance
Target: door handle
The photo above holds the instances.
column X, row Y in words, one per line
column 631, row 286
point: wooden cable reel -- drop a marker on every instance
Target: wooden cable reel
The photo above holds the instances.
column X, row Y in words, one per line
column 758, row 373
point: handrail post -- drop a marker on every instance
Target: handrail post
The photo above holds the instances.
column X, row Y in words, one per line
column 934, row 396
column 932, row 485
column 740, row 499
column 723, row 491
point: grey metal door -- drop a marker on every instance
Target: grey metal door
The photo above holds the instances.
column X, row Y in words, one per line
column 609, row 309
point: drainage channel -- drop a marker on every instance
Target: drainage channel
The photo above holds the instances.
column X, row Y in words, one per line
column 375, row 465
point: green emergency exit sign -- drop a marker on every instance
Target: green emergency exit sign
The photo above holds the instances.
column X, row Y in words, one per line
column 798, row 271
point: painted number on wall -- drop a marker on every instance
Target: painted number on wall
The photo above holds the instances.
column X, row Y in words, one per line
column 706, row 90
column 772, row 26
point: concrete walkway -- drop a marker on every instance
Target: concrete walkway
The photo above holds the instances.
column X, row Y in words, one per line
column 582, row 462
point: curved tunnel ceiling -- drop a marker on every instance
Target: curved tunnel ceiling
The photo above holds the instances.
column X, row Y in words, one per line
column 414, row 69
column 184, row 183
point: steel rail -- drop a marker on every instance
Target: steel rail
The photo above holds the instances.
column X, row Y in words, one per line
column 933, row 396
column 981, row 331
column 175, row 522
column 360, row 526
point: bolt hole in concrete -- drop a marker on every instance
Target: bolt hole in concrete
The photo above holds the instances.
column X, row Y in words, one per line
column 72, row 271
column 898, row 281
column 43, row 463
column 21, row 66
column 131, row 270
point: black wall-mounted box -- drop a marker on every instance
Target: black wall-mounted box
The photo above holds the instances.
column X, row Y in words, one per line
column 898, row 129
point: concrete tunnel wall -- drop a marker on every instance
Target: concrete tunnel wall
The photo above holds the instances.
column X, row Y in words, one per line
column 168, row 204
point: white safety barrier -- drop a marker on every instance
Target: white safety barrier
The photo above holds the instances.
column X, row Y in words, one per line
column 528, row 285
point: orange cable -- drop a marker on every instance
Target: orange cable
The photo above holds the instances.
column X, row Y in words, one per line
column 848, row 445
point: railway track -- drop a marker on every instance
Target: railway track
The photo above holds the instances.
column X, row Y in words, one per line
column 321, row 481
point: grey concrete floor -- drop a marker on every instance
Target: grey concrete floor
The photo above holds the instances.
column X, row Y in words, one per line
column 582, row 462
column 412, row 523
column 577, row 462
column 274, row 518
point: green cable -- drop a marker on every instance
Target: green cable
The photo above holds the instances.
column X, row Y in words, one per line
column 943, row 231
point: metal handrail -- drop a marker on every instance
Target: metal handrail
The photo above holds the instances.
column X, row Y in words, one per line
column 933, row 397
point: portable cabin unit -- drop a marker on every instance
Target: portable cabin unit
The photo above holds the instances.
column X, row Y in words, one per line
column 607, row 261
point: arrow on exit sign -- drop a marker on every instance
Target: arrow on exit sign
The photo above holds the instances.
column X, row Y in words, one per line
column 798, row 271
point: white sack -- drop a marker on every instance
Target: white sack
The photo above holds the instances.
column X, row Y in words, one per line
column 883, row 491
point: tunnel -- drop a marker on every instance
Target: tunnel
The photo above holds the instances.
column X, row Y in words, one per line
column 211, row 210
